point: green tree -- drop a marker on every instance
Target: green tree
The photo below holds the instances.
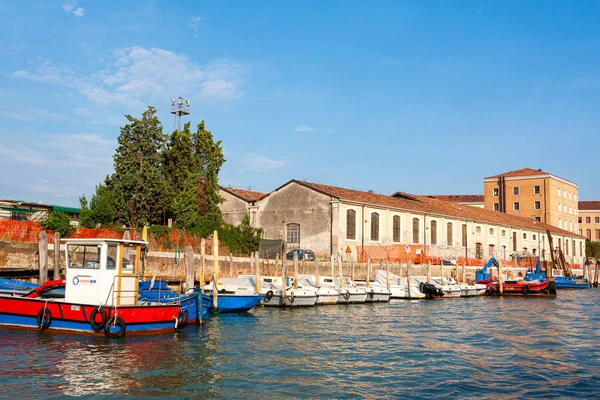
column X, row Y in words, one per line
column 184, row 206
column 178, row 159
column 101, row 209
column 208, row 158
column 140, row 190
column 59, row 222
column 592, row 249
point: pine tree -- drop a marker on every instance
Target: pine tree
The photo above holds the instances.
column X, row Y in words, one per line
column 140, row 189
column 178, row 159
column 208, row 159
column 101, row 209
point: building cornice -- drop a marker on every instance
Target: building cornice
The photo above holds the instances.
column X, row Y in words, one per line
column 531, row 177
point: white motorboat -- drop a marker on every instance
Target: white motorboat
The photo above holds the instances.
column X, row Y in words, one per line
column 375, row 292
column 270, row 287
column 468, row 290
column 242, row 286
column 346, row 294
column 325, row 295
column 398, row 285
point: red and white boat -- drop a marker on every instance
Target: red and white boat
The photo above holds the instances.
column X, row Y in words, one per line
column 100, row 295
column 518, row 287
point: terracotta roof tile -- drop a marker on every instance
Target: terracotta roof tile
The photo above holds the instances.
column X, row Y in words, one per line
column 459, row 198
column 243, row 194
column 520, row 172
column 589, row 205
column 428, row 205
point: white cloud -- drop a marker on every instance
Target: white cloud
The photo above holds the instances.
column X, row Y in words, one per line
column 71, row 8
column 138, row 76
column 261, row 163
column 31, row 114
column 304, row 128
column 195, row 21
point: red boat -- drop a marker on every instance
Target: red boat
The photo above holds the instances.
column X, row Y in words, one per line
column 518, row 287
column 99, row 293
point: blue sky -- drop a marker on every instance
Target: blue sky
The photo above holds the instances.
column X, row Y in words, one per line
column 427, row 97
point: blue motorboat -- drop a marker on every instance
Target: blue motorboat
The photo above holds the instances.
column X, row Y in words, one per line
column 235, row 295
column 15, row 286
column 561, row 282
column 193, row 310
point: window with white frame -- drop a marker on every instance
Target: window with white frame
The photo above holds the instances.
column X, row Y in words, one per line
column 534, row 237
column 396, row 229
column 293, row 234
column 496, row 207
column 416, row 235
column 516, row 206
column 495, row 192
column 503, row 232
column 477, row 229
column 433, row 232
column 350, row 224
column 536, row 189
column 524, row 235
column 558, row 192
column 491, row 231
column 449, row 236
column 537, row 205
column 516, row 191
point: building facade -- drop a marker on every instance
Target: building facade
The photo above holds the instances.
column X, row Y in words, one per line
column 238, row 203
column 534, row 194
column 589, row 219
column 331, row 220
column 473, row 200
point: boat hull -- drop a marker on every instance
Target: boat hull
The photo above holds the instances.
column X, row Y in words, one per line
column 231, row 303
column 63, row 316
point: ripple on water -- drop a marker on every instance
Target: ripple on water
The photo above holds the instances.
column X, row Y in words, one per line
column 480, row 347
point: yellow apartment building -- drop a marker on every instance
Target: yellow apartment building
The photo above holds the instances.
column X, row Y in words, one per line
column 589, row 219
column 533, row 193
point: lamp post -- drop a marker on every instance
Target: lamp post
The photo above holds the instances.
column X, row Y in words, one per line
column 179, row 107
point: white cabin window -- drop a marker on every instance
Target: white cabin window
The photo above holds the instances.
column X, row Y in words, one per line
column 84, row 256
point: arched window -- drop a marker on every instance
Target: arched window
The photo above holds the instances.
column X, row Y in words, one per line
column 374, row 226
column 492, row 231
column 433, row 232
column 293, row 234
column 477, row 229
column 464, row 235
column 396, row 229
column 415, row 230
column 449, row 238
column 350, row 224
column 514, row 241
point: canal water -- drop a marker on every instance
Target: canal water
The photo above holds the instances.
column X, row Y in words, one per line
column 463, row 348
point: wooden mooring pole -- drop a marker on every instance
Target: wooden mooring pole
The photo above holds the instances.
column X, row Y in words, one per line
column 428, row 271
column 257, row 273
column 215, row 270
column 230, row 265
column 295, row 270
column 202, row 263
column 43, row 257
column 500, row 279
column 283, row 283
column 387, row 275
column 56, row 255
column 318, row 277
column 408, row 277
column 368, row 271
column 341, row 270
column 189, row 267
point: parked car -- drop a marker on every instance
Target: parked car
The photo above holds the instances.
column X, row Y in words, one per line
column 302, row 254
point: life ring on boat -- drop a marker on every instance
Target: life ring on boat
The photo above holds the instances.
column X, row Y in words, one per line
column 491, row 290
column 182, row 320
column 44, row 319
column 98, row 326
column 115, row 327
column 526, row 289
column 269, row 295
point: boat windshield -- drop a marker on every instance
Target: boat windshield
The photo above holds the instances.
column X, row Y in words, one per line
column 84, row 256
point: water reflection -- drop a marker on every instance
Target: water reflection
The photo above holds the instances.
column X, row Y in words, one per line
column 479, row 347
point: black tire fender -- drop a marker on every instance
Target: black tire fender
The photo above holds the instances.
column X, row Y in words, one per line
column 182, row 320
column 44, row 319
column 526, row 289
column 115, row 322
column 98, row 326
column 269, row 295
